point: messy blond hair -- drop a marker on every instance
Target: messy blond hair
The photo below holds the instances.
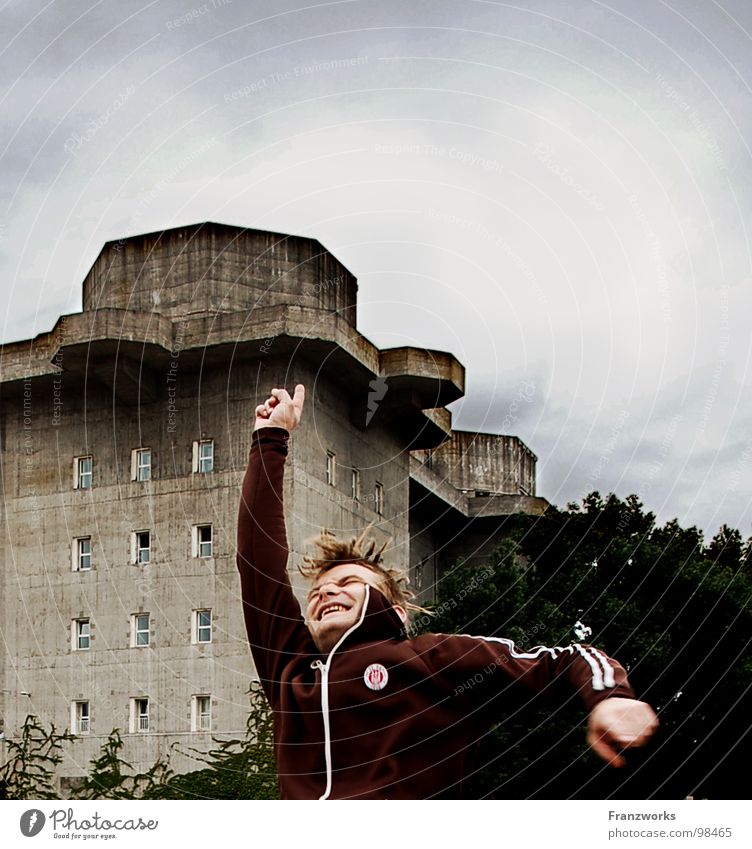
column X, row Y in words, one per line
column 364, row 551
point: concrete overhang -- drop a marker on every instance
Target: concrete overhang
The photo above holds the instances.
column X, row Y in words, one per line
column 433, row 378
column 471, row 506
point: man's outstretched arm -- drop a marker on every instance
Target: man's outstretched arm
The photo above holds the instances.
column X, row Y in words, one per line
column 276, row 630
column 482, row 667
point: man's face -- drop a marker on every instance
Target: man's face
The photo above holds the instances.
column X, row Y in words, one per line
column 335, row 602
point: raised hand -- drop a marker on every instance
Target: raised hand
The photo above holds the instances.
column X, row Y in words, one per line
column 281, row 410
column 616, row 724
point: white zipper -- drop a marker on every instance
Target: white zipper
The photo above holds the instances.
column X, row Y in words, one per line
column 324, row 667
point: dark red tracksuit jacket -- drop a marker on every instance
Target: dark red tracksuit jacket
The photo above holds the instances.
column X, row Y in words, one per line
column 382, row 716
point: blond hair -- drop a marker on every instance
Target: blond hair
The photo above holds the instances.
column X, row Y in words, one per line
column 364, row 551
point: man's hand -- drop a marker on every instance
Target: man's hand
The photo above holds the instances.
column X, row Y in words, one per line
column 280, row 410
column 616, row 724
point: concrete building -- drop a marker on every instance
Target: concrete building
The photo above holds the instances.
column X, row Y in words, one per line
column 124, row 434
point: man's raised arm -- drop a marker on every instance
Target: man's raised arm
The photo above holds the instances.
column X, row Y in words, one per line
column 272, row 614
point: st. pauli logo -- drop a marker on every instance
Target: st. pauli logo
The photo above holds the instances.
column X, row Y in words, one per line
column 376, row 676
column 32, row 822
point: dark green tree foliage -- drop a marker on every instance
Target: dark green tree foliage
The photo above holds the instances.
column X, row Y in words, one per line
column 675, row 614
column 29, row 771
column 111, row 777
column 236, row 769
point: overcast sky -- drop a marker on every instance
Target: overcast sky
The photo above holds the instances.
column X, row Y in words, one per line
column 557, row 193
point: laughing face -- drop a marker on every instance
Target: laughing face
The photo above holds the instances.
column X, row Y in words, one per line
column 335, row 602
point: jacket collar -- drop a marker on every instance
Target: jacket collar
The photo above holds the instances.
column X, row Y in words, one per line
column 379, row 621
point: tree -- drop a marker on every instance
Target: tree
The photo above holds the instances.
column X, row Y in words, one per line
column 236, row 769
column 29, row 772
column 726, row 548
column 675, row 614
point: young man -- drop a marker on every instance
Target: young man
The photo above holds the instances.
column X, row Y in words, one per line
column 361, row 710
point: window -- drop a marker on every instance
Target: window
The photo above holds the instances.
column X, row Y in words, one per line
column 331, row 467
column 82, row 554
column 141, row 464
column 141, row 545
column 80, row 720
column 140, row 630
column 203, row 456
column 82, row 472
column 202, row 626
column 356, row 484
column 418, row 576
column 202, row 541
column 201, row 713
column 81, row 634
column 139, row 715
column 378, row 497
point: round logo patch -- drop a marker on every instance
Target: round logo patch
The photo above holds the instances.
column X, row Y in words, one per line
column 376, row 676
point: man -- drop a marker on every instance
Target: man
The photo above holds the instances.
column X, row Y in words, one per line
column 361, row 710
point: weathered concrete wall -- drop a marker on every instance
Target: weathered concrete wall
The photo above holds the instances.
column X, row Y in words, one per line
column 46, row 514
column 485, row 462
column 214, row 268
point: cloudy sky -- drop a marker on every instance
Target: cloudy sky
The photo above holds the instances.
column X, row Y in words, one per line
column 557, row 193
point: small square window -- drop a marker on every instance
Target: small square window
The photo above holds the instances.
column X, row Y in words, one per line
column 331, row 468
column 81, row 634
column 141, row 633
column 203, row 626
column 140, row 715
column 201, row 713
column 142, row 547
column 83, row 472
column 204, row 541
column 141, row 464
column 82, row 554
column 203, row 456
column 80, row 718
